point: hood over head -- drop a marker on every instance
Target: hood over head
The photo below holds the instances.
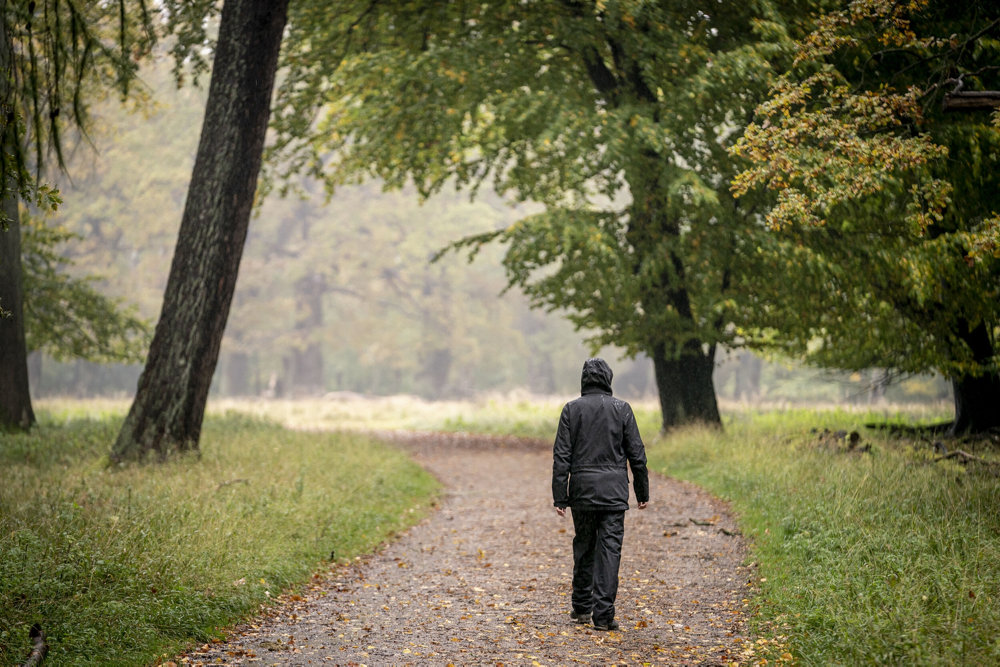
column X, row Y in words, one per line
column 596, row 376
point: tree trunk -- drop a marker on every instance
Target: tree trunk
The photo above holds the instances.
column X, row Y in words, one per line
column 977, row 398
column 684, row 380
column 697, row 386
column 747, row 381
column 170, row 402
column 237, row 374
column 15, row 397
column 685, row 386
column 667, row 374
column 306, row 376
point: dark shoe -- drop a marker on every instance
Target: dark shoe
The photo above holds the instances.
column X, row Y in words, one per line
column 610, row 625
column 580, row 618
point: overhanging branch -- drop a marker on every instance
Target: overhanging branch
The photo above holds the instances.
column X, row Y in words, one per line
column 972, row 100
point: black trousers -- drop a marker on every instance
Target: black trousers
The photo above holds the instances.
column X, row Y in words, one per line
column 597, row 552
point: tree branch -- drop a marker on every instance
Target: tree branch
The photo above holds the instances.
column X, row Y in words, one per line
column 967, row 458
column 38, row 647
column 972, row 100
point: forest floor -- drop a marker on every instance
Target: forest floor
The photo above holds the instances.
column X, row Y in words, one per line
column 485, row 579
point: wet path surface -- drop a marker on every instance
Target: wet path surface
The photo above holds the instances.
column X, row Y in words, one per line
column 486, row 579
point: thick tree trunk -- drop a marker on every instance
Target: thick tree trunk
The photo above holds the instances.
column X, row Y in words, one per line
column 170, row 402
column 667, row 375
column 697, row 386
column 977, row 404
column 977, row 398
column 685, row 386
column 15, row 397
column 684, row 381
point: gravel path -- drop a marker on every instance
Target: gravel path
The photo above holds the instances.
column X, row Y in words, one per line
column 486, row 579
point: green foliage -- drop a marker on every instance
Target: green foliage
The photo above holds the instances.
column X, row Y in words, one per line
column 57, row 55
column 616, row 116
column 885, row 211
column 124, row 565
column 883, row 557
column 69, row 318
column 387, row 317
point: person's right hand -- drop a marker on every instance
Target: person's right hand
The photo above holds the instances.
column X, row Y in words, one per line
column 642, row 506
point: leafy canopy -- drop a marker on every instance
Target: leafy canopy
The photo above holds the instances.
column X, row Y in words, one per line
column 615, row 115
column 886, row 202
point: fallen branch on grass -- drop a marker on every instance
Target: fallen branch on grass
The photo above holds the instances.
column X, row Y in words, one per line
column 966, row 457
column 916, row 431
column 38, row 649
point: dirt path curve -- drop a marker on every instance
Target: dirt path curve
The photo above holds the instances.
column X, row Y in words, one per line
column 486, row 579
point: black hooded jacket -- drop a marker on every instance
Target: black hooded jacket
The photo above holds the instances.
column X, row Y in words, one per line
column 597, row 438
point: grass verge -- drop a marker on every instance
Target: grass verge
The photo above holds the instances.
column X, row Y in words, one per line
column 122, row 566
column 880, row 557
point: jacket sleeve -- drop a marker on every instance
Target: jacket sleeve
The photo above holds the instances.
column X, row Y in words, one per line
column 562, row 452
column 635, row 451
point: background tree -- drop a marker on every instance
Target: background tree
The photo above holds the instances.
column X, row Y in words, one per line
column 68, row 317
column 614, row 115
column 52, row 54
column 385, row 308
column 169, row 406
column 886, row 203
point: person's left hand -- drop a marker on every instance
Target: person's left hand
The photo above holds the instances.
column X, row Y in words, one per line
column 561, row 511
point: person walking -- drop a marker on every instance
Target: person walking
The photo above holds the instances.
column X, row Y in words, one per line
column 597, row 441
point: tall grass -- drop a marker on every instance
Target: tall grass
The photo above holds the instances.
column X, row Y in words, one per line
column 120, row 566
column 880, row 557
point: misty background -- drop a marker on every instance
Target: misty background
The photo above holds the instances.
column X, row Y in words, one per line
column 340, row 295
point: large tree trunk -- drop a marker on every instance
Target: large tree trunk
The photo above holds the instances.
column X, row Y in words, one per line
column 15, row 398
column 667, row 374
column 684, row 380
column 697, row 385
column 685, row 386
column 170, row 402
column 977, row 398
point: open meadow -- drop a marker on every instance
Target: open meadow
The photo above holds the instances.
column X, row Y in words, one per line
column 876, row 552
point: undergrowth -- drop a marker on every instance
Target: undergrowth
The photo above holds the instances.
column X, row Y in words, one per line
column 126, row 565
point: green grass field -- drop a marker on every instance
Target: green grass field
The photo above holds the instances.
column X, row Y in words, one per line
column 122, row 566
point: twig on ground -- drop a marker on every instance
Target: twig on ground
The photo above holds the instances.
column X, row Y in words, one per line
column 966, row 457
column 238, row 480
